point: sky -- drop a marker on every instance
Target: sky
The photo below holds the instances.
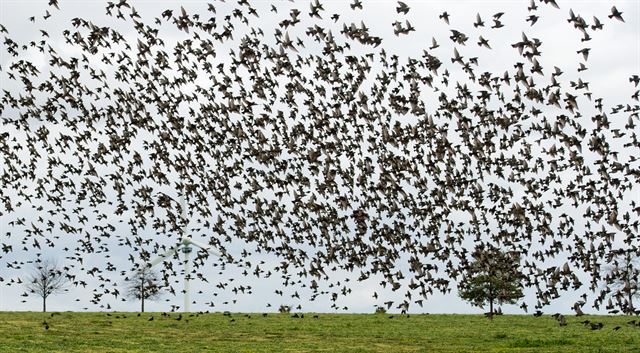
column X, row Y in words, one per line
column 615, row 56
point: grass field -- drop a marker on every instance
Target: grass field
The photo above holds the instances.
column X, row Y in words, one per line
column 127, row 332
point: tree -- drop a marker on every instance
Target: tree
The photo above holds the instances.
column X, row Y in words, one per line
column 622, row 277
column 145, row 285
column 46, row 280
column 492, row 277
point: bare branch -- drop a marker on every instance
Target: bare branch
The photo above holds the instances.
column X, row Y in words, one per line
column 46, row 280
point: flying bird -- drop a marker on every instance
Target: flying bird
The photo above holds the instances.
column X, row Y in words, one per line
column 616, row 14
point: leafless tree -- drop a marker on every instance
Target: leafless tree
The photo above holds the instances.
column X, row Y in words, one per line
column 622, row 278
column 144, row 285
column 47, row 279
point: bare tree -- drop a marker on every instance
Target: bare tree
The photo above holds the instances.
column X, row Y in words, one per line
column 622, row 279
column 144, row 285
column 46, row 280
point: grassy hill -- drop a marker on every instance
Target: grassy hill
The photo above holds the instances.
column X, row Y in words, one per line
column 128, row 332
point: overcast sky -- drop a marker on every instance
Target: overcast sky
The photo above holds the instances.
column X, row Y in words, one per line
column 614, row 57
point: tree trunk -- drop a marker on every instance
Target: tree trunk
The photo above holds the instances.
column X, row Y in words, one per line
column 490, row 308
column 490, row 302
column 627, row 287
column 630, row 308
column 44, row 304
column 142, row 295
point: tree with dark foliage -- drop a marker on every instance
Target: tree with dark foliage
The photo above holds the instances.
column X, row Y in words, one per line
column 47, row 279
column 491, row 278
column 145, row 285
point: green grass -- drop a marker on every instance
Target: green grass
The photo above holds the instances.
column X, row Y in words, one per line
column 126, row 332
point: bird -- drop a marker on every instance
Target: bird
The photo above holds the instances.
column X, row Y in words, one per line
column 496, row 20
column 596, row 24
column 478, row 22
column 434, row 43
column 562, row 321
column 445, row 17
column 616, row 14
column 596, row 326
column 533, row 19
column 584, row 52
column 483, row 43
column 402, row 8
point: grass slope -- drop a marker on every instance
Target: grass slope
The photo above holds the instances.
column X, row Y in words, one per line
column 126, row 332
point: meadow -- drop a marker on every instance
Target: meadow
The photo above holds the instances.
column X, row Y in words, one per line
column 256, row 332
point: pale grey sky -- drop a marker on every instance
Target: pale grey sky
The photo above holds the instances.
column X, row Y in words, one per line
column 614, row 57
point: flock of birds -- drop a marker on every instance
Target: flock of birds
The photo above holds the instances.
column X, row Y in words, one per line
column 316, row 146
